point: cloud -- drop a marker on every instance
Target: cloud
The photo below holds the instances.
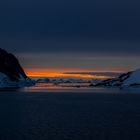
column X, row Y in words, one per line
column 95, row 46
column 75, row 18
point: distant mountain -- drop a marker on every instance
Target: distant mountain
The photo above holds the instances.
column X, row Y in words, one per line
column 127, row 79
column 11, row 72
column 112, row 74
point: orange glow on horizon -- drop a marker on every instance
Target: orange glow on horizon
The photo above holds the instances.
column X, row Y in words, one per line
column 56, row 73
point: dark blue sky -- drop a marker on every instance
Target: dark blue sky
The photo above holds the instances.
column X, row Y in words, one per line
column 98, row 27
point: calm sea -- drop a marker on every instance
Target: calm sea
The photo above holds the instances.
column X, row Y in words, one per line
column 47, row 112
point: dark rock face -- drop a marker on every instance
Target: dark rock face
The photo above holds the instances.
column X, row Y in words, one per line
column 115, row 81
column 10, row 66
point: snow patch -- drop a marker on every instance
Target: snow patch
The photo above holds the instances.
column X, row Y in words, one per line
column 5, row 82
column 133, row 79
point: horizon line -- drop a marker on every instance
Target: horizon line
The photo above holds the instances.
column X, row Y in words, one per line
column 101, row 74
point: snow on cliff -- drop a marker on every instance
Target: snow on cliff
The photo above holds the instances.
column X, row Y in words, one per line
column 133, row 79
column 5, row 82
column 11, row 72
column 125, row 80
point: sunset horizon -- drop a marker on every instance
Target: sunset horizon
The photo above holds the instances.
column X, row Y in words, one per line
column 61, row 73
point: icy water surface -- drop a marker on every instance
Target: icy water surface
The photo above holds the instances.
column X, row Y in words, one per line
column 70, row 114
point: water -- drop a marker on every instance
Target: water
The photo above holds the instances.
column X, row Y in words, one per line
column 48, row 113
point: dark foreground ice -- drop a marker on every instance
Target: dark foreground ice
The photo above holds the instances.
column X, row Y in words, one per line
column 100, row 114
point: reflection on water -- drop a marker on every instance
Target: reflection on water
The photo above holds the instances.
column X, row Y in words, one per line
column 82, row 87
column 57, row 87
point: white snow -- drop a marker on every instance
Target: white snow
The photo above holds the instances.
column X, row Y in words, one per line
column 5, row 82
column 2, row 76
column 133, row 79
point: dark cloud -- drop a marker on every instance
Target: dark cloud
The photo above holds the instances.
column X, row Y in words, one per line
column 75, row 18
column 98, row 46
column 97, row 27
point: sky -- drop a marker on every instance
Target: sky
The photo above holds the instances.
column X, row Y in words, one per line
column 72, row 35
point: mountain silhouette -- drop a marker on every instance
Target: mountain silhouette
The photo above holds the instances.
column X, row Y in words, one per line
column 10, row 66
